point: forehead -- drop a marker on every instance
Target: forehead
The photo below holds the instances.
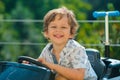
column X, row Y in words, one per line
column 61, row 16
column 61, row 20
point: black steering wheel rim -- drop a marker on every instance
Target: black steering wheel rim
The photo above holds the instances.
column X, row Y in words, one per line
column 31, row 60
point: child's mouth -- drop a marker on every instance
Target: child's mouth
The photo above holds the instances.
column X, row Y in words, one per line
column 58, row 36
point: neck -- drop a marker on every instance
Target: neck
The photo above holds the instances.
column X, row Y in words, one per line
column 57, row 48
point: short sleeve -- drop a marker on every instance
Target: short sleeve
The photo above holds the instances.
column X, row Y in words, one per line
column 79, row 58
column 46, row 54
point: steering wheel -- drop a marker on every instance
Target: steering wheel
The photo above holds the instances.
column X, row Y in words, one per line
column 31, row 60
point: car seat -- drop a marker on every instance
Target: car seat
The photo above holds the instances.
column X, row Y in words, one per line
column 96, row 62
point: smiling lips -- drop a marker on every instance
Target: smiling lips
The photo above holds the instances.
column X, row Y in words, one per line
column 58, row 36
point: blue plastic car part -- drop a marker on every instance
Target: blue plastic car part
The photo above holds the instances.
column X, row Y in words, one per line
column 18, row 71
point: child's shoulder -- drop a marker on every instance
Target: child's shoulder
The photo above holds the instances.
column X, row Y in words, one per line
column 74, row 44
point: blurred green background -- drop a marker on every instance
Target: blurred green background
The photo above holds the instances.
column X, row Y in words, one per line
column 21, row 23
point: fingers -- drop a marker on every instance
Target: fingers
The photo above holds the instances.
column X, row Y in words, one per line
column 48, row 64
column 25, row 62
column 41, row 60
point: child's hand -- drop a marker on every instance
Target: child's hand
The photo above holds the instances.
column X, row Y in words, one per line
column 25, row 62
column 42, row 60
column 48, row 64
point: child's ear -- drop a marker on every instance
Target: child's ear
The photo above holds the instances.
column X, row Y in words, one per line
column 45, row 34
column 71, row 36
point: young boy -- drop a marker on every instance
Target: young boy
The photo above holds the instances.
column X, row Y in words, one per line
column 64, row 55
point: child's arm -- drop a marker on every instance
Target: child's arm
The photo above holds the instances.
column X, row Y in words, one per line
column 68, row 73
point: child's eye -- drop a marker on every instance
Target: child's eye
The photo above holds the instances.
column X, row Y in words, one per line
column 64, row 27
column 53, row 27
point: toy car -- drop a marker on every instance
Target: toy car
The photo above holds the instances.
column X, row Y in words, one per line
column 105, row 68
column 19, row 71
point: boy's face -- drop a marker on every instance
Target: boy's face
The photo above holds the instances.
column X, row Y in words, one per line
column 59, row 30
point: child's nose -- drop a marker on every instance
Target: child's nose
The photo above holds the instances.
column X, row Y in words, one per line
column 58, row 29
